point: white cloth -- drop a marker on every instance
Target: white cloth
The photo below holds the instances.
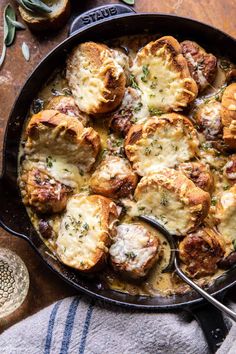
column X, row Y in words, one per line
column 82, row 326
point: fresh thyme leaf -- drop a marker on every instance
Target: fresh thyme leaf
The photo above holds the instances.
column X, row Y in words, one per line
column 213, row 201
column 25, row 51
column 130, row 255
column 138, row 107
column 49, row 161
column 133, row 82
column 154, row 111
column 129, row 2
column 145, row 73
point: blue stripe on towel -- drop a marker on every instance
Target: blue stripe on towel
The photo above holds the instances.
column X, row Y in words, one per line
column 86, row 328
column 51, row 327
column 69, row 326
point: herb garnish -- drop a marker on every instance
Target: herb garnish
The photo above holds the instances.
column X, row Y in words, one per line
column 133, row 82
column 130, row 255
column 49, row 161
column 154, row 111
column 138, row 107
column 146, row 72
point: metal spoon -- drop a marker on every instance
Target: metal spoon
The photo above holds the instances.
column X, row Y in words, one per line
column 173, row 264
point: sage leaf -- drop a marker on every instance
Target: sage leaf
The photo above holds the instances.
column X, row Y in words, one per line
column 11, row 30
column 129, row 2
column 35, row 6
column 21, row 3
column 3, row 54
column 25, row 51
column 18, row 25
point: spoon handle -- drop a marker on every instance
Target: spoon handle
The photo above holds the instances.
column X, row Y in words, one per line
column 204, row 294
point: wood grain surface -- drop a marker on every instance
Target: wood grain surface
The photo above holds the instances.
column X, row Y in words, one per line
column 46, row 287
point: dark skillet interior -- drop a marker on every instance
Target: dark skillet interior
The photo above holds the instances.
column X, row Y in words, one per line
column 12, row 212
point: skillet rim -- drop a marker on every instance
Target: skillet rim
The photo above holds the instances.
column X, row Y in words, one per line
column 60, row 47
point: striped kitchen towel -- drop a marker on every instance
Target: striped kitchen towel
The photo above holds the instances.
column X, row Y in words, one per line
column 79, row 325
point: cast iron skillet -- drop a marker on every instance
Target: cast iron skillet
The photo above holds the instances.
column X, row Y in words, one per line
column 101, row 24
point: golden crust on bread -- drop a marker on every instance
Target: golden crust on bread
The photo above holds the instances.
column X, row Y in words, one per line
column 96, row 79
column 53, row 132
column 85, row 230
column 161, row 142
column 228, row 115
column 134, row 250
column 42, row 192
column 199, row 173
column 173, row 200
column 113, row 178
column 200, row 252
column 67, row 105
column 161, row 73
column 51, row 21
column 226, row 213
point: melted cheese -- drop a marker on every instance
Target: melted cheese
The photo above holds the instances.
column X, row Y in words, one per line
column 168, row 146
column 80, row 232
column 159, row 81
column 87, row 80
column 130, row 247
column 227, row 214
column 165, row 207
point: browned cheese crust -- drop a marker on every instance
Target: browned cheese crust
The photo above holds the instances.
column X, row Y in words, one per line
column 201, row 251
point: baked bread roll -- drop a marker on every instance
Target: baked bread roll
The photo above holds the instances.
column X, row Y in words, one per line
column 161, row 73
column 48, row 21
column 50, row 132
column 95, row 78
column 84, row 234
column 161, row 142
column 173, row 199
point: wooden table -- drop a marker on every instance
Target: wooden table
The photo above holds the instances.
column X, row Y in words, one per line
column 46, row 287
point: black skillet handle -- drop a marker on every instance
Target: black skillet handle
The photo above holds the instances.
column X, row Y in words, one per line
column 212, row 323
column 99, row 14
